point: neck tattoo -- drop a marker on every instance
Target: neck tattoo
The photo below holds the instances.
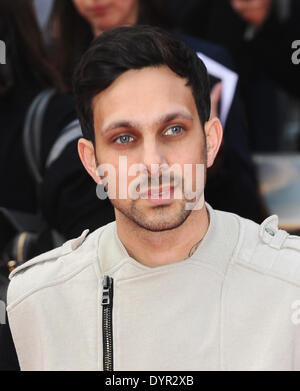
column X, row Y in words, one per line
column 193, row 249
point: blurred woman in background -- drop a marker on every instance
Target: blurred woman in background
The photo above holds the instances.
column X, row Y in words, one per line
column 28, row 72
column 74, row 23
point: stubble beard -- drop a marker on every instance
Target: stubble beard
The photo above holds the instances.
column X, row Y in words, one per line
column 159, row 218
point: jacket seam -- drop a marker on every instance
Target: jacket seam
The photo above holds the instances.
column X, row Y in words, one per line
column 154, row 272
column 266, row 273
column 13, row 305
column 223, row 291
column 97, row 263
column 31, row 263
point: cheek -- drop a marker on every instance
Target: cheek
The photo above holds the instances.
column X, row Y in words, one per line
column 122, row 8
column 192, row 163
column 123, row 5
column 191, row 152
column 80, row 7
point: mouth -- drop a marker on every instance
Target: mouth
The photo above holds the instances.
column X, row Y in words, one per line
column 100, row 10
column 158, row 196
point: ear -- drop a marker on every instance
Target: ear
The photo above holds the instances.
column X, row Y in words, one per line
column 214, row 134
column 86, row 153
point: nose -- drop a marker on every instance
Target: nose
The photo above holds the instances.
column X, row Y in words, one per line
column 153, row 157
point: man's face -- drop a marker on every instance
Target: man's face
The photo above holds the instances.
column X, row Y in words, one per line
column 148, row 117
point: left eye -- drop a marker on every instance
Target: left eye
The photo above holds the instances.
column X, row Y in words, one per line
column 173, row 131
column 124, row 139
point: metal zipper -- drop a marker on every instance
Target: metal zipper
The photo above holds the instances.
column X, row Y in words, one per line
column 107, row 331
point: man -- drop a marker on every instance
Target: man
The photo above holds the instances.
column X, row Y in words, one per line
column 172, row 284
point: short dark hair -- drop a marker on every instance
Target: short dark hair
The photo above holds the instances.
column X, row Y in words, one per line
column 124, row 48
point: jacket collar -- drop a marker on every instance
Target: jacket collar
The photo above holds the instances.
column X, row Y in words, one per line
column 215, row 249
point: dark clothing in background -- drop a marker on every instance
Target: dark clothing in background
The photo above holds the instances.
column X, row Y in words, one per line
column 263, row 62
column 8, row 356
column 67, row 190
column 233, row 187
column 68, row 197
column 17, row 185
column 216, row 21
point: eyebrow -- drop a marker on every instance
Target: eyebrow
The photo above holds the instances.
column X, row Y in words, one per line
column 131, row 124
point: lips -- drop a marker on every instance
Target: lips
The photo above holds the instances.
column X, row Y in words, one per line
column 100, row 10
column 160, row 193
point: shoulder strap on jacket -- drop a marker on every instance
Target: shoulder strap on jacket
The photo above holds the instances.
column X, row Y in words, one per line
column 269, row 250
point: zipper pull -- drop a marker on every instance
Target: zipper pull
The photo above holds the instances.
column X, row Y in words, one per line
column 106, row 293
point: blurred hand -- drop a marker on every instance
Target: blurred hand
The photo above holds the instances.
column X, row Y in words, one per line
column 215, row 97
column 254, row 12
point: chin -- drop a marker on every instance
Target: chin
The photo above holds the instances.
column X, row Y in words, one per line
column 158, row 219
column 106, row 24
column 159, row 226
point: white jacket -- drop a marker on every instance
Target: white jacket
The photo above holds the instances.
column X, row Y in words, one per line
column 234, row 305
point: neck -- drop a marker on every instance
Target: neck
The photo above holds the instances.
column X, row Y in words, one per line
column 96, row 31
column 161, row 248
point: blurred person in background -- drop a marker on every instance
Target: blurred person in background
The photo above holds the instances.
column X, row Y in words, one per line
column 271, row 28
column 28, row 72
column 259, row 36
column 75, row 23
column 66, row 187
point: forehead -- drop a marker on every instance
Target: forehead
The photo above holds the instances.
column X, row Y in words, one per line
column 142, row 96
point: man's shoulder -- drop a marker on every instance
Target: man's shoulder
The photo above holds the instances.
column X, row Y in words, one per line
column 54, row 266
column 267, row 249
